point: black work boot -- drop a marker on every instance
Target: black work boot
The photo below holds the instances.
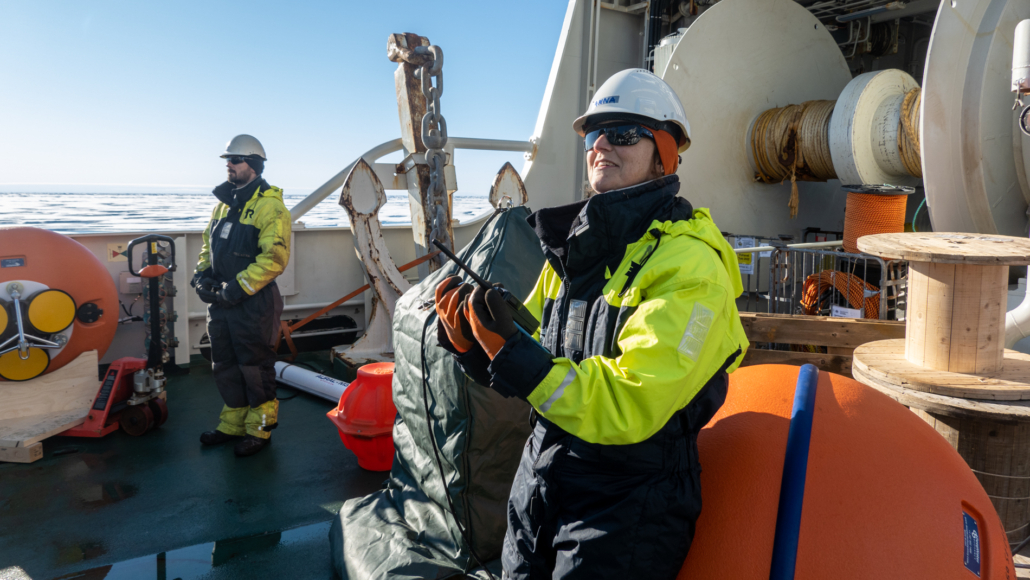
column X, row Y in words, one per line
column 216, row 437
column 251, row 445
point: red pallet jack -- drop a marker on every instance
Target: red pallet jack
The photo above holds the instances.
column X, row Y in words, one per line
column 132, row 395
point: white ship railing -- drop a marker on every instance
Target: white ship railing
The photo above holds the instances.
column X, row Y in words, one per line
column 384, row 149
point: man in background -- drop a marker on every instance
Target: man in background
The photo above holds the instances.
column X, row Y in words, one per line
column 246, row 246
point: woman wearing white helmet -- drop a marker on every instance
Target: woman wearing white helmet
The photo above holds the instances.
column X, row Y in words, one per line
column 639, row 321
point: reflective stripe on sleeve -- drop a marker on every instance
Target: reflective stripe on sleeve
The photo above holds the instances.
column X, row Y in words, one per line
column 569, row 377
column 243, row 282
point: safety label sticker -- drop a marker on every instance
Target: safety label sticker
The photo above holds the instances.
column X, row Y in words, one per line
column 117, row 253
column 12, row 262
column 745, row 259
column 971, row 558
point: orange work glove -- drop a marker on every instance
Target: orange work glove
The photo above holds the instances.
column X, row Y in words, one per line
column 450, row 301
column 491, row 320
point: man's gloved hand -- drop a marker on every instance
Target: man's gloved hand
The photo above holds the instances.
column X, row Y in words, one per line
column 452, row 327
column 490, row 319
column 204, row 284
column 207, row 294
column 229, row 294
column 199, row 277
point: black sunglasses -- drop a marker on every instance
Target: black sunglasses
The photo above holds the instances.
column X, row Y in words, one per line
column 621, row 135
column 236, row 159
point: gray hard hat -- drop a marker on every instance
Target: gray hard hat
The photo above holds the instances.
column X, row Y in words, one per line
column 244, row 145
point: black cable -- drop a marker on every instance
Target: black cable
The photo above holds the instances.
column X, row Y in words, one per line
column 436, row 450
column 129, row 311
column 1021, row 546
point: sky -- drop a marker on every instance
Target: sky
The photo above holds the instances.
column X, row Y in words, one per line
column 113, row 96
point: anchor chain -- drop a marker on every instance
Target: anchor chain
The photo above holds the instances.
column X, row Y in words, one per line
column 434, row 137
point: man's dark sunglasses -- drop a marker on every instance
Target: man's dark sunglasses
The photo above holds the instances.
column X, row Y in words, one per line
column 236, row 159
column 617, row 135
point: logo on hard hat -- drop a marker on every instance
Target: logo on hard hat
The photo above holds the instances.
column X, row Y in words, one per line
column 606, row 101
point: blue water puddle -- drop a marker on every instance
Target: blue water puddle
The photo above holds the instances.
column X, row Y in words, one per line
column 204, row 560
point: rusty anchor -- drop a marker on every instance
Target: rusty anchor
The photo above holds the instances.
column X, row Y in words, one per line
column 508, row 189
column 362, row 197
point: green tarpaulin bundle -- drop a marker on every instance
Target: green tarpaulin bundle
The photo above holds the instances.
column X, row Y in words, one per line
column 407, row 529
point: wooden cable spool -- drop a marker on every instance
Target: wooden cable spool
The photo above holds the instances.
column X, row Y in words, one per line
column 952, row 368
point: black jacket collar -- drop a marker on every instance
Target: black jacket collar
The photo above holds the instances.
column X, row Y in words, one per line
column 581, row 234
column 230, row 195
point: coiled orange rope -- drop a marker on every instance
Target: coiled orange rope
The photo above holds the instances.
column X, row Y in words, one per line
column 866, row 214
column 794, row 142
column 908, row 133
column 852, row 287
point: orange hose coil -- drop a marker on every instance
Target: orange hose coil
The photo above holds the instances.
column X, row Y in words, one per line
column 867, row 214
column 851, row 286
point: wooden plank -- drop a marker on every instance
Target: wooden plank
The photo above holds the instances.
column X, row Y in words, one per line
column 940, row 296
column 818, row 330
column 991, row 331
column 915, row 333
column 70, row 388
column 942, row 404
column 949, row 248
column 838, row 364
column 24, row 431
column 27, row 454
column 1010, row 383
column 965, row 318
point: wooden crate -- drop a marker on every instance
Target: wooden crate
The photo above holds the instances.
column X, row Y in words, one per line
column 839, row 335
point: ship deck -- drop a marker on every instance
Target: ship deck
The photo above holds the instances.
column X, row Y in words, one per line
column 162, row 506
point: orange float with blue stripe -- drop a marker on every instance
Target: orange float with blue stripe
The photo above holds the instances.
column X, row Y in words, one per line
column 57, row 300
column 866, row 490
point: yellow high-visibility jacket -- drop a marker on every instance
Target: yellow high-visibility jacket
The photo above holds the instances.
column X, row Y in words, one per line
column 635, row 325
column 247, row 240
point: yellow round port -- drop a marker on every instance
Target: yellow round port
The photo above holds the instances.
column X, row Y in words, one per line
column 13, row 368
column 51, row 311
column 3, row 317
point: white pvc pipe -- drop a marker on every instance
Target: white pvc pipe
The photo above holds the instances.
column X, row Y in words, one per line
column 1017, row 321
column 1021, row 57
column 310, row 382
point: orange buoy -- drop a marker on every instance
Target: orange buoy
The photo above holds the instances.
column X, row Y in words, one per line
column 366, row 414
column 885, row 496
column 65, row 293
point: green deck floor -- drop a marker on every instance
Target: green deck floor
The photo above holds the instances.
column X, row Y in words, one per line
column 156, row 506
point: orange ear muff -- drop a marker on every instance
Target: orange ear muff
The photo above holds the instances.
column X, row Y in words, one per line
column 668, row 150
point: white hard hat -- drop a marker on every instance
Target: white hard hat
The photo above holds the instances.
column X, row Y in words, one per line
column 244, row 145
column 637, row 94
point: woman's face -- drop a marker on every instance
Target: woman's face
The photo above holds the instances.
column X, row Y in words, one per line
column 614, row 167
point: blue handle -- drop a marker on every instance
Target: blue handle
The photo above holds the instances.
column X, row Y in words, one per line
column 795, row 466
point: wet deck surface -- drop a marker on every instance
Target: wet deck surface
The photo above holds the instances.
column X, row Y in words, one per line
column 162, row 506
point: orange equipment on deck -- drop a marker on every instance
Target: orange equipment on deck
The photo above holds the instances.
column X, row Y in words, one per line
column 366, row 414
column 63, row 293
column 873, row 209
column 885, row 495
